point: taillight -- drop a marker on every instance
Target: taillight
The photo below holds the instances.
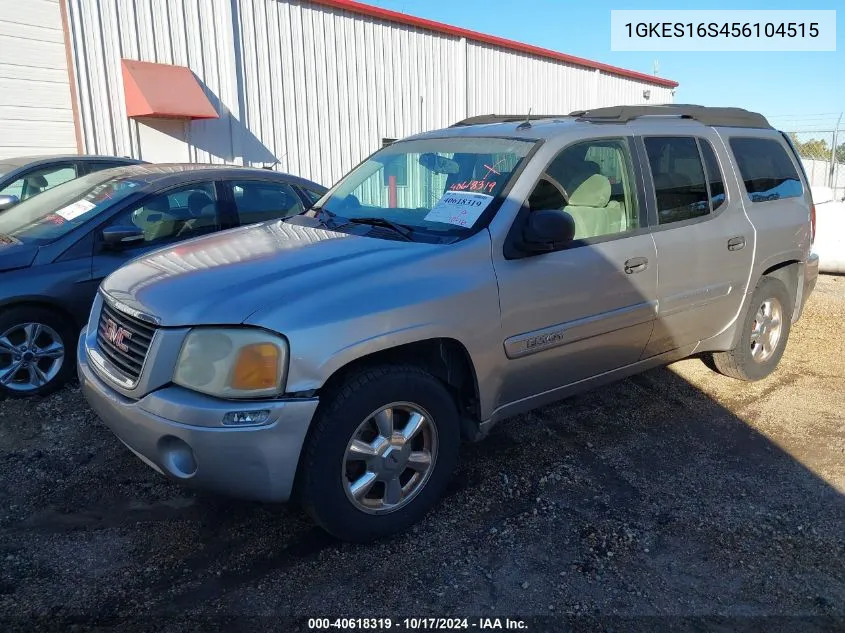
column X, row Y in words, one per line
column 812, row 223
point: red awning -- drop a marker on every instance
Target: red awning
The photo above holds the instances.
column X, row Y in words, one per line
column 162, row 90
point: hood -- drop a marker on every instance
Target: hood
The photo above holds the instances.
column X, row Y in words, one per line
column 16, row 255
column 225, row 277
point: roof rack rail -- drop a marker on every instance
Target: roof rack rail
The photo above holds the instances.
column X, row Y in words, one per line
column 505, row 118
column 716, row 117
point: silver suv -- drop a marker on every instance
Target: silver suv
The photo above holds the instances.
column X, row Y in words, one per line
column 453, row 279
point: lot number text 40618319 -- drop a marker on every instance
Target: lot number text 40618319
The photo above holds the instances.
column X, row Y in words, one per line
column 417, row 624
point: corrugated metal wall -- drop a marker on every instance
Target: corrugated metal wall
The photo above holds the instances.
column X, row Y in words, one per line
column 509, row 82
column 323, row 87
column 36, row 115
column 193, row 33
column 316, row 87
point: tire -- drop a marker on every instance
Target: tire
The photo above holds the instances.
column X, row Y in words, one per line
column 327, row 470
column 745, row 361
column 46, row 367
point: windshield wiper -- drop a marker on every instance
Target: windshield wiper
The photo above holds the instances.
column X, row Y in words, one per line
column 324, row 216
column 333, row 221
column 400, row 229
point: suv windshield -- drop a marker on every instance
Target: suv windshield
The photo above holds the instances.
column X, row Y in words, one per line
column 56, row 212
column 436, row 187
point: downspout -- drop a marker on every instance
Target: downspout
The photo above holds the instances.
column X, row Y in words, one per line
column 74, row 97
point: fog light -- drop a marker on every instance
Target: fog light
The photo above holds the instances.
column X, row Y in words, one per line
column 245, row 418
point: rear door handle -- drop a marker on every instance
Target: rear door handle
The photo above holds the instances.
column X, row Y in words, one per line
column 636, row 265
column 736, row 243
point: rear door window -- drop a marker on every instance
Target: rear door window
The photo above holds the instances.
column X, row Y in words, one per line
column 678, row 174
column 715, row 180
column 258, row 201
column 766, row 170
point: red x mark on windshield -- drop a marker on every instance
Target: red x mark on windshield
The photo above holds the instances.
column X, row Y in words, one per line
column 492, row 169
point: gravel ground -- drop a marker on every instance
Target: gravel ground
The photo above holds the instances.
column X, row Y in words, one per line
column 674, row 494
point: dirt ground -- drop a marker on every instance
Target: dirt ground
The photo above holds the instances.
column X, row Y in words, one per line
column 677, row 498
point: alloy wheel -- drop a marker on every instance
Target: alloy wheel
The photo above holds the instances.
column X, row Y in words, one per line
column 389, row 458
column 766, row 330
column 31, row 355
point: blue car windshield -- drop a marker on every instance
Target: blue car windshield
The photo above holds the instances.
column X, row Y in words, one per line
column 435, row 186
column 58, row 211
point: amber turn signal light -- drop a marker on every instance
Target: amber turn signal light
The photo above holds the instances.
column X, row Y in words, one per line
column 257, row 367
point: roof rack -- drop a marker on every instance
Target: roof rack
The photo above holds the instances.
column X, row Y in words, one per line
column 716, row 117
column 505, row 118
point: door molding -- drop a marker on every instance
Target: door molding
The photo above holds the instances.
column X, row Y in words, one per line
column 553, row 336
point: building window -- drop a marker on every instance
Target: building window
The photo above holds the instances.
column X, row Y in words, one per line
column 396, row 167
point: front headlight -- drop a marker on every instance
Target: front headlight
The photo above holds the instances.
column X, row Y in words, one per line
column 233, row 362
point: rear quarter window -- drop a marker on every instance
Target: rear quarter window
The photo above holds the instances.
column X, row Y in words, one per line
column 766, row 170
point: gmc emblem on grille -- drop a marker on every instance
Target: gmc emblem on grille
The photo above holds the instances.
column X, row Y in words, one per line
column 117, row 335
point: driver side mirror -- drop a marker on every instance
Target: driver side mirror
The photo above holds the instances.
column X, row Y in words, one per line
column 7, row 202
column 120, row 236
column 547, row 230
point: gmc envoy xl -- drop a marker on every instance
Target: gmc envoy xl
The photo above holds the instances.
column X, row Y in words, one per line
column 454, row 278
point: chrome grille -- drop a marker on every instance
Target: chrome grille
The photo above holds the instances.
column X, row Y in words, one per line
column 124, row 340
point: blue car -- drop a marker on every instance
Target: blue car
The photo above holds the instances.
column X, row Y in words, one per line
column 23, row 177
column 55, row 248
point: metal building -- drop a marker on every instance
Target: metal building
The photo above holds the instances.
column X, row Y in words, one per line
column 316, row 86
column 36, row 107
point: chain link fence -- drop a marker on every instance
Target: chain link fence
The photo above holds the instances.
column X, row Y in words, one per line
column 823, row 155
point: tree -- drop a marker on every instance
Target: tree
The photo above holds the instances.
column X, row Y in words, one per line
column 812, row 148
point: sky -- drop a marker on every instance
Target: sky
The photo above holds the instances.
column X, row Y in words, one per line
column 795, row 90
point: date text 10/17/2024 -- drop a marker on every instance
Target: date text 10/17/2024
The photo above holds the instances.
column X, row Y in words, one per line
column 417, row 624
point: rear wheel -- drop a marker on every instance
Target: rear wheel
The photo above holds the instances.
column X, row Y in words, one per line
column 35, row 346
column 765, row 332
column 381, row 453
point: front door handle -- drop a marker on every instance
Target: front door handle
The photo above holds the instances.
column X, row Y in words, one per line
column 636, row 265
column 736, row 243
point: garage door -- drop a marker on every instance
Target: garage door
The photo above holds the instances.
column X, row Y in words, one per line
column 36, row 116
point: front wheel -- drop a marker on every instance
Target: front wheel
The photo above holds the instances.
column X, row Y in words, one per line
column 764, row 335
column 35, row 345
column 381, row 453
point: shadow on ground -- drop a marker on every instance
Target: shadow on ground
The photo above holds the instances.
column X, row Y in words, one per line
column 640, row 503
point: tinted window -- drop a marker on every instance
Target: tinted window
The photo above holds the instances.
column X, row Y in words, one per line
column 592, row 181
column 257, row 201
column 34, row 182
column 179, row 213
column 766, row 170
column 714, row 174
column 678, row 176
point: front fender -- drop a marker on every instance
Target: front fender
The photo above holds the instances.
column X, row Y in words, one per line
column 316, row 355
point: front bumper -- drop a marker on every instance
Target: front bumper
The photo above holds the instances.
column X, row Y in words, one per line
column 254, row 462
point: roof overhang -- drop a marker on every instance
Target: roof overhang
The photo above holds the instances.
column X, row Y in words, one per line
column 402, row 18
column 165, row 91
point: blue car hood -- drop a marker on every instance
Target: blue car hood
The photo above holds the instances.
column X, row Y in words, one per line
column 16, row 255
